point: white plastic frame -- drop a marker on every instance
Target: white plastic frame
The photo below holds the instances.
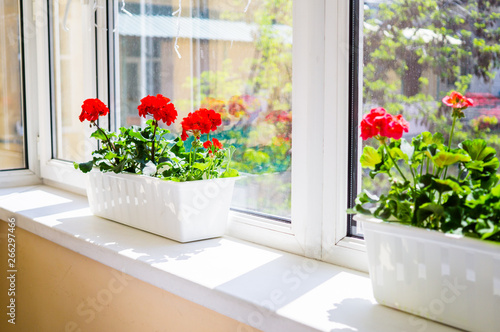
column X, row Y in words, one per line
column 319, row 180
column 30, row 175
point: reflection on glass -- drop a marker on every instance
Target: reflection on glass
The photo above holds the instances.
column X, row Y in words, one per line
column 225, row 56
column 11, row 106
column 72, row 50
column 415, row 52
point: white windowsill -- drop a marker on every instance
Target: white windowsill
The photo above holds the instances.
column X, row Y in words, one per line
column 265, row 288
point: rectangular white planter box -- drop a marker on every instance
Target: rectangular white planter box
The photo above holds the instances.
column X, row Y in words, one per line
column 446, row 278
column 181, row 211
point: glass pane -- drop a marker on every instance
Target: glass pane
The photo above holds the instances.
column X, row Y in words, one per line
column 12, row 154
column 228, row 55
column 415, row 52
column 73, row 76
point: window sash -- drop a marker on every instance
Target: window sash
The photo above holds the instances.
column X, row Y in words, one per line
column 31, row 174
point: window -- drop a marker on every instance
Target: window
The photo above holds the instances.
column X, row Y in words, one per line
column 247, row 59
column 413, row 53
column 12, row 121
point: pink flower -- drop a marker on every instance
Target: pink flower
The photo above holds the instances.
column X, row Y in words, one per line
column 456, row 100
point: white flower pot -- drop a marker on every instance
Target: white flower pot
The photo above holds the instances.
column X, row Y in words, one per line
column 446, row 278
column 181, row 211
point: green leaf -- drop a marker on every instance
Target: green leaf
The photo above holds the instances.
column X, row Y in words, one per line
column 492, row 164
column 478, row 150
column 487, row 229
column 119, row 168
column 397, row 154
column 448, row 184
column 429, row 138
column 86, row 167
column 98, row 135
column 428, row 209
column 137, row 135
column 496, row 191
column 444, row 158
column 370, row 157
column 201, row 166
column 230, row 173
column 110, row 155
column 475, row 165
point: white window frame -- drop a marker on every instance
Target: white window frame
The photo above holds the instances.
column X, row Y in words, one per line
column 321, row 86
column 30, row 175
column 320, row 136
column 53, row 171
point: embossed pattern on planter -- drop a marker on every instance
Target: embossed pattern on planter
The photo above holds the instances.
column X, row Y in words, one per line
column 442, row 277
column 181, row 211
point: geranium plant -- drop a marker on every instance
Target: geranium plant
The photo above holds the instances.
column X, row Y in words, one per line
column 152, row 151
column 432, row 184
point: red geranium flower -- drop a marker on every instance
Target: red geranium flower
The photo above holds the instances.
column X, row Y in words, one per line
column 395, row 127
column 207, row 144
column 92, row 109
column 215, row 142
column 380, row 123
column 159, row 107
column 200, row 122
column 456, row 100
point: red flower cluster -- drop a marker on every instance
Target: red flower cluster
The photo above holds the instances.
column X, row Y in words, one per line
column 200, row 122
column 159, row 107
column 216, row 144
column 92, row 109
column 456, row 100
column 380, row 123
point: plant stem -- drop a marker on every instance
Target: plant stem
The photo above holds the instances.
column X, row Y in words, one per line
column 192, row 153
column 153, row 146
column 452, row 130
column 383, row 158
column 110, row 144
column 449, row 142
column 394, row 162
column 413, row 177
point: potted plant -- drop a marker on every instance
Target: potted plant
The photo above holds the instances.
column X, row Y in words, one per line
column 432, row 236
column 144, row 178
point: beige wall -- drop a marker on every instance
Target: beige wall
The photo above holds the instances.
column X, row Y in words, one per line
column 55, row 288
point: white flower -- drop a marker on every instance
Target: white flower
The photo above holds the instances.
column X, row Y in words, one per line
column 150, row 169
